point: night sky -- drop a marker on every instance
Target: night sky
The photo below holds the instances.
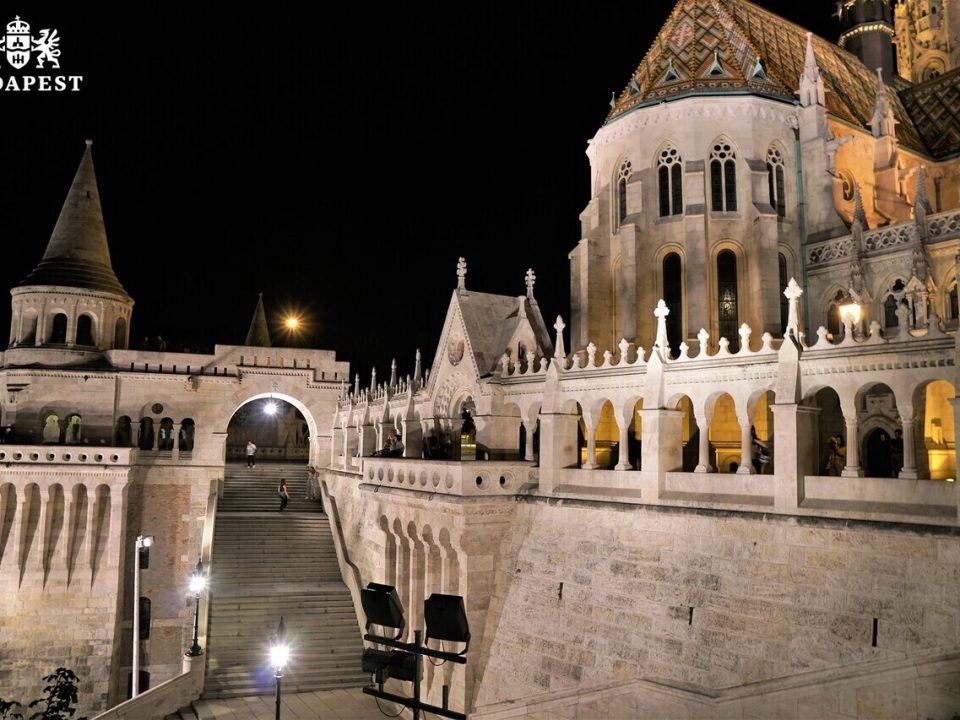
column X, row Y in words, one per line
column 338, row 159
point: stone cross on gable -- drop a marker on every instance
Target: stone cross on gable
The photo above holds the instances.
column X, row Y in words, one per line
column 661, row 312
column 559, row 351
column 792, row 293
column 461, row 274
column 531, row 278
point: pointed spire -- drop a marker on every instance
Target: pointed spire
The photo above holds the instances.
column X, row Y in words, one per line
column 77, row 254
column 559, row 351
column 859, row 215
column 393, row 373
column 812, row 91
column 921, row 203
column 883, row 123
column 416, row 368
column 258, row 335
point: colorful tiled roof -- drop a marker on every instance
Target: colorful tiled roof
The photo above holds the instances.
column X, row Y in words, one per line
column 713, row 46
column 935, row 109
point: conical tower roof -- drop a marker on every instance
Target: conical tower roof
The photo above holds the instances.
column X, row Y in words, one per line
column 709, row 47
column 77, row 254
column 259, row 334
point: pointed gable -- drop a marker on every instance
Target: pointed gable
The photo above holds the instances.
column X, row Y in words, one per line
column 77, row 254
column 738, row 34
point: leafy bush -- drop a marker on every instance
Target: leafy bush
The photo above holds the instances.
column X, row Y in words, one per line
column 61, row 696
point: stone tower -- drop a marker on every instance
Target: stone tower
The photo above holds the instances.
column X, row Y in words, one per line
column 71, row 307
column 927, row 36
column 866, row 30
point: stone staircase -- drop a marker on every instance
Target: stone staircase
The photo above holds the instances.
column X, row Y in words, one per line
column 268, row 563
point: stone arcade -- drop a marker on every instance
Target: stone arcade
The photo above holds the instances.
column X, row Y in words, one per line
column 768, row 259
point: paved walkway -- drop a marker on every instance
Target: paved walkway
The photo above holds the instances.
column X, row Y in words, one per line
column 329, row 705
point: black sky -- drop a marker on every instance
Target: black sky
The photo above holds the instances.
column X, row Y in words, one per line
column 337, row 158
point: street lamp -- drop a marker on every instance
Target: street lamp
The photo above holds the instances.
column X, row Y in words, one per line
column 198, row 581
column 279, row 654
column 142, row 541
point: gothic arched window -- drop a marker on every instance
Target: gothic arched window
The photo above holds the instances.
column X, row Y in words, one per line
column 670, row 181
column 953, row 312
column 673, row 297
column 892, row 302
column 727, row 298
column 85, row 330
column 775, row 181
column 58, row 329
column 120, row 334
column 723, row 177
column 622, row 176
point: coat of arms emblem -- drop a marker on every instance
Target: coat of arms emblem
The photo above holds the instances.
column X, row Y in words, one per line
column 19, row 45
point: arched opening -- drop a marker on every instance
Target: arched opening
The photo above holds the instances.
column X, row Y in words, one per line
column 50, row 429
column 274, row 425
column 124, row 432
column 762, row 451
column 892, row 309
column 775, row 182
column 465, row 446
column 936, row 442
column 120, row 334
column 72, row 434
column 635, row 437
column 146, row 434
column 878, row 422
column 673, row 297
column 165, row 435
column 622, row 175
column 725, row 435
column 833, row 315
column 85, row 334
column 58, row 329
column 727, row 298
column 831, row 431
column 606, row 439
column 187, row 433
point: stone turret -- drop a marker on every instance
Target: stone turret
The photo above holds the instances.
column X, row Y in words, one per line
column 71, row 307
column 866, row 30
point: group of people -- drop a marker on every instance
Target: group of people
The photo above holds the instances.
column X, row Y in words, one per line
column 313, row 488
column 391, row 448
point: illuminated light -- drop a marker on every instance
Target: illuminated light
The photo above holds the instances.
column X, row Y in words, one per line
column 198, row 582
column 279, row 654
column 292, row 323
column 270, row 408
column 860, row 29
column 951, row 479
column 850, row 309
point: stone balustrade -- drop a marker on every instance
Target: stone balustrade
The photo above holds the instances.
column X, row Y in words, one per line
column 67, row 454
column 465, row 479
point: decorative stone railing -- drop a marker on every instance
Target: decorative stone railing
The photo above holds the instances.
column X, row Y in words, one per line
column 67, row 454
column 466, row 479
column 941, row 226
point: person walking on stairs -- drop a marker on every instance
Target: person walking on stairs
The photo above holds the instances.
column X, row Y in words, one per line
column 284, row 494
column 251, row 454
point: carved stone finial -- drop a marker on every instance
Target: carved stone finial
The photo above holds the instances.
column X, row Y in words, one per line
column 883, row 123
column 812, row 90
column 745, row 332
column 921, row 204
column 591, row 354
column 530, row 278
column 559, row 350
column 792, row 293
column 461, row 274
column 661, row 312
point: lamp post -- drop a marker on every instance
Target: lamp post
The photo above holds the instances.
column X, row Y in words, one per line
column 198, row 581
column 279, row 654
column 143, row 541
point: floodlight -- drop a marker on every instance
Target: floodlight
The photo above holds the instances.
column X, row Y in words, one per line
column 382, row 606
column 446, row 619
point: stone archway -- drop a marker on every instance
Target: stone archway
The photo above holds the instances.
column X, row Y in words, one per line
column 314, row 439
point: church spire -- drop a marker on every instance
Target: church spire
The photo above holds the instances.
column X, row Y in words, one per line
column 77, row 254
column 812, row 91
column 258, row 335
column 883, row 123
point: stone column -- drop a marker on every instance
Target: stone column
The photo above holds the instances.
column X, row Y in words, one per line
column 412, row 438
column 15, row 539
column 624, row 462
column 89, row 538
column 662, row 449
column 591, row 423
column 703, row 423
column 558, row 445
column 852, row 468
column 746, row 447
column 909, row 471
column 368, row 440
column 177, row 426
column 61, row 558
column 528, row 444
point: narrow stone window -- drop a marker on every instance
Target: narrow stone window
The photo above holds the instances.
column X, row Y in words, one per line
column 775, row 181
column 622, row 176
column 727, row 298
column 784, row 303
column 670, row 180
column 723, row 178
column 673, row 297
